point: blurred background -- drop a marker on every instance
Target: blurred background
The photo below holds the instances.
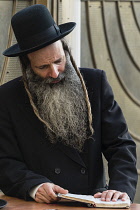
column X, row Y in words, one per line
column 107, row 37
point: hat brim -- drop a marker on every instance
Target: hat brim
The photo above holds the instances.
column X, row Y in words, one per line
column 15, row 50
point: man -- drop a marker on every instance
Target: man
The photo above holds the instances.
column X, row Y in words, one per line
column 57, row 121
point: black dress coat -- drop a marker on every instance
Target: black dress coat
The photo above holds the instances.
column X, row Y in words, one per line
column 28, row 159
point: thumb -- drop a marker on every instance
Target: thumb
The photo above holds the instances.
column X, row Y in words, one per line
column 58, row 189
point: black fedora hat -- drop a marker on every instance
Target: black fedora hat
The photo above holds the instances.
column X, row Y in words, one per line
column 34, row 28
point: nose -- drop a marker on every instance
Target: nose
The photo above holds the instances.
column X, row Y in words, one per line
column 54, row 71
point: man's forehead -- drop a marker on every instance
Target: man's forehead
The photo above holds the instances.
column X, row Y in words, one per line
column 49, row 53
column 56, row 46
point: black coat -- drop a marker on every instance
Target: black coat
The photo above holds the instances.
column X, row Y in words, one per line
column 28, row 159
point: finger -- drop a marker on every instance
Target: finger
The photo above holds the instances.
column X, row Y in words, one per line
column 41, row 199
column 58, row 189
column 124, row 196
column 97, row 195
column 110, row 194
column 41, row 190
column 107, row 195
column 52, row 197
column 50, row 193
column 103, row 195
column 47, row 198
column 116, row 196
column 47, row 192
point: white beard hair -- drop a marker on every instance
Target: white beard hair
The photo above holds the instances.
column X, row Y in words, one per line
column 62, row 106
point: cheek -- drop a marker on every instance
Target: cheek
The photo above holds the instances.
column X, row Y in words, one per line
column 35, row 71
column 62, row 67
column 42, row 74
column 33, row 68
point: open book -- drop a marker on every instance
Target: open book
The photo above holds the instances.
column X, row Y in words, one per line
column 95, row 202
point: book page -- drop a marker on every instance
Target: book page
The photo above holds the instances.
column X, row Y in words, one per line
column 97, row 200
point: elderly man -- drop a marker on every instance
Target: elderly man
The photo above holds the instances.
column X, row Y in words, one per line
column 56, row 121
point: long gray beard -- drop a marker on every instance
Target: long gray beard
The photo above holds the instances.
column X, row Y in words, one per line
column 62, row 106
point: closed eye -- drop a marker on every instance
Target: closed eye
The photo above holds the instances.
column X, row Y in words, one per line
column 58, row 61
column 43, row 67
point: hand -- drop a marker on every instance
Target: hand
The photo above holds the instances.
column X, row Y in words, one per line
column 47, row 193
column 111, row 195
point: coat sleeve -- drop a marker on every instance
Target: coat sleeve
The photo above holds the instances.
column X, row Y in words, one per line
column 117, row 145
column 15, row 178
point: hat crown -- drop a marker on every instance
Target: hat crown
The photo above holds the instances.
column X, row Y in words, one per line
column 30, row 21
column 34, row 28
